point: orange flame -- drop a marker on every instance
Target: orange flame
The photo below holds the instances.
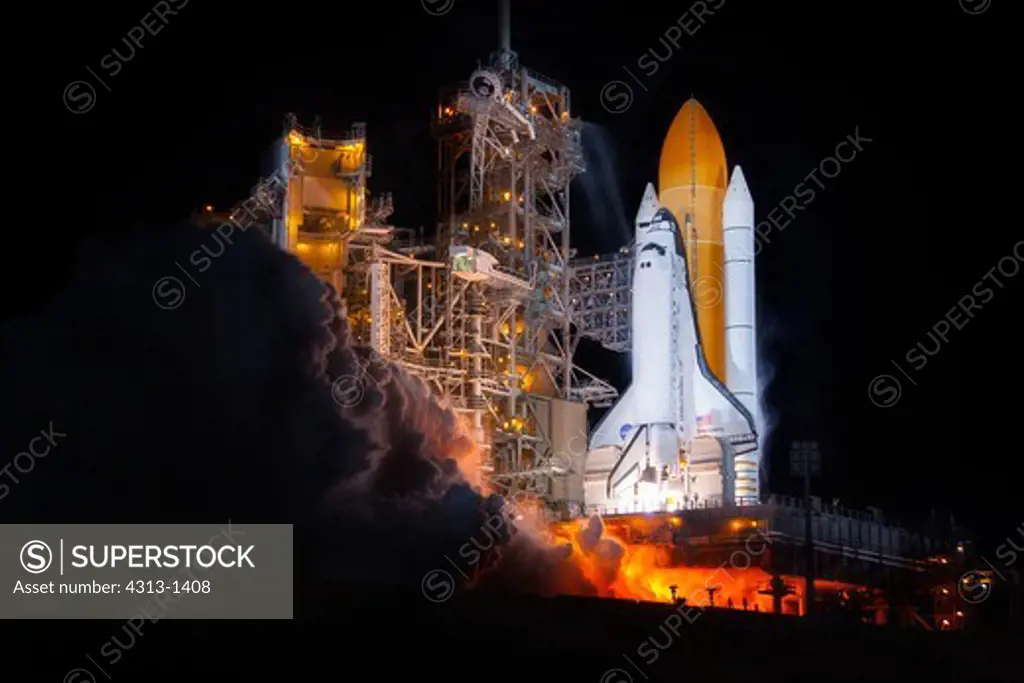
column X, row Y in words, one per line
column 619, row 569
column 614, row 567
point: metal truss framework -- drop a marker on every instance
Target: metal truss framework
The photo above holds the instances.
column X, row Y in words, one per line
column 508, row 151
column 495, row 338
column 600, row 297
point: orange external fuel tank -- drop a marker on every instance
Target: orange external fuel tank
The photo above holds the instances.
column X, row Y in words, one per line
column 692, row 179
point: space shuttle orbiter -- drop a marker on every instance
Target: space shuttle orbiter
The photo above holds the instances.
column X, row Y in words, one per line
column 679, row 437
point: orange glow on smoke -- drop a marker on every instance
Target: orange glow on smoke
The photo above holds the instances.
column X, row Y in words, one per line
column 641, row 571
column 631, row 557
column 469, row 457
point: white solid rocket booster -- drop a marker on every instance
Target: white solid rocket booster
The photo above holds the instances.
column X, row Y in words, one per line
column 741, row 312
column 740, row 295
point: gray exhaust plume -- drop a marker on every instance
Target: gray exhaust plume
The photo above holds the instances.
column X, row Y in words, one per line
column 224, row 406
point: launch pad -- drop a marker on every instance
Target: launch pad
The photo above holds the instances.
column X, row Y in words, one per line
column 490, row 310
column 754, row 558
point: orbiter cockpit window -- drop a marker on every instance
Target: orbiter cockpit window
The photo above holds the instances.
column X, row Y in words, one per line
column 650, row 246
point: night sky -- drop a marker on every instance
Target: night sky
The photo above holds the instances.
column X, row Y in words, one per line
column 854, row 282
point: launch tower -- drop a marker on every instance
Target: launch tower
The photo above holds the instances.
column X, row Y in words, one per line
column 508, row 150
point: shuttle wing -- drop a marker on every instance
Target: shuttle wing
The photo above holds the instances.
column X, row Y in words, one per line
column 614, row 434
column 718, row 411
column 618, row 423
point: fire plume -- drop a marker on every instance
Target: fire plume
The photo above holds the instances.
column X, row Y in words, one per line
column 614, row 567
column 633, row 557
column 619, row 569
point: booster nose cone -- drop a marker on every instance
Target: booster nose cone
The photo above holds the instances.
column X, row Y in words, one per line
column 648, row 205
column 738, row 206
column 738, row 190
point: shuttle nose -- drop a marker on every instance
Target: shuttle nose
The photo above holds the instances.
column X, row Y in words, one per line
column 648, row 205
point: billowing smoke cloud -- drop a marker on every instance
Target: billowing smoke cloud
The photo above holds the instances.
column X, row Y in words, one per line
column 244, row 400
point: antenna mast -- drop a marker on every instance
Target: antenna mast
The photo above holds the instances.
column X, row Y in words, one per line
column 505, row 26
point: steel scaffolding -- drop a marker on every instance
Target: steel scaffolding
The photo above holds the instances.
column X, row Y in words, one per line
column 486, row 315
column 508, row 150
column 600, row 297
